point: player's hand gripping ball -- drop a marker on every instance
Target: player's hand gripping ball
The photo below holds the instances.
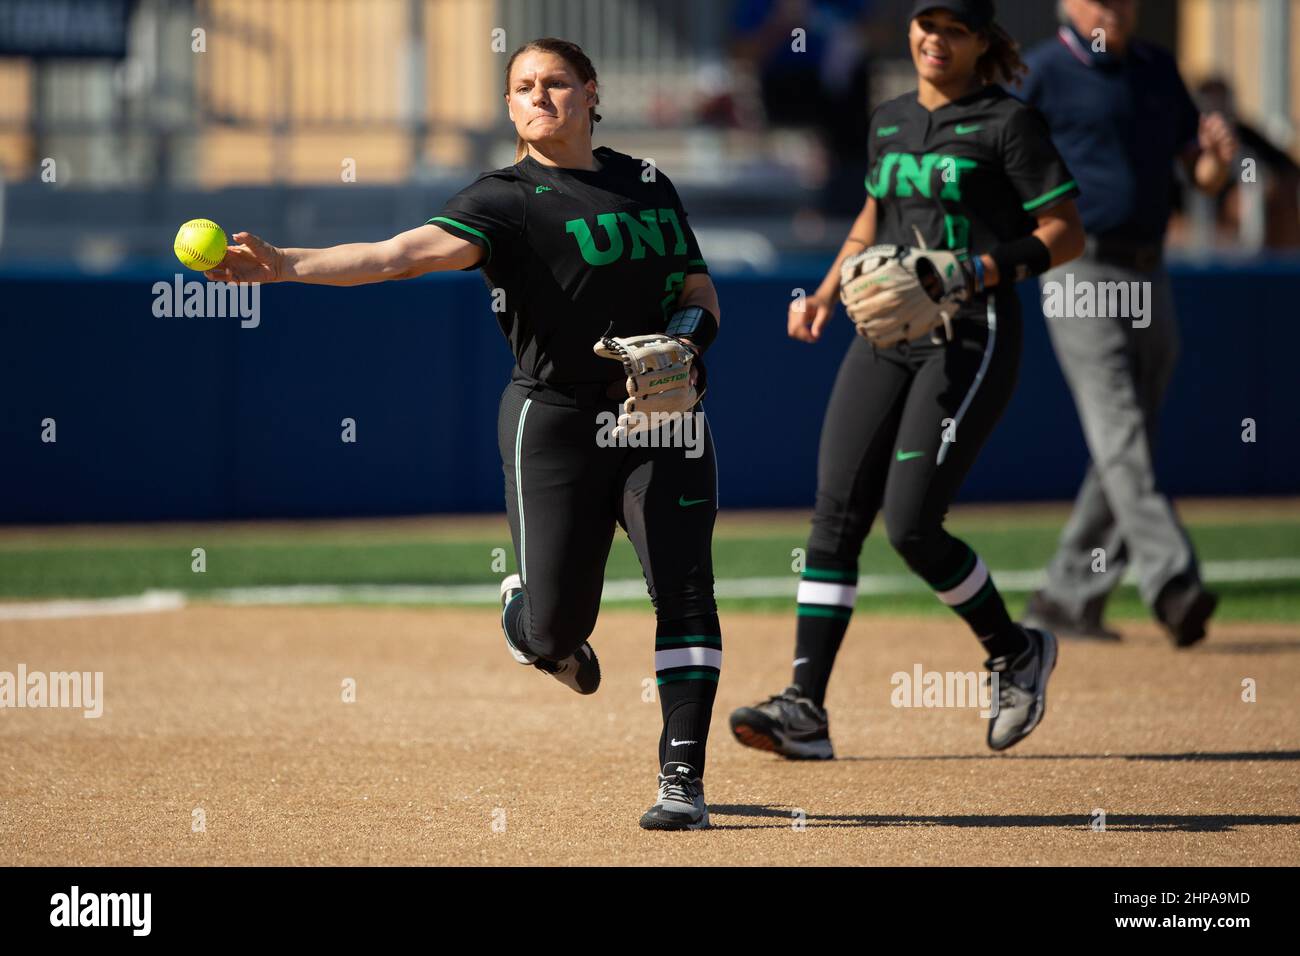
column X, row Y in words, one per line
column 200, row 244
column 664, row 377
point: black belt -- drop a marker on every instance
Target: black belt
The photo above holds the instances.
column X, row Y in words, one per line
column 1126, row 253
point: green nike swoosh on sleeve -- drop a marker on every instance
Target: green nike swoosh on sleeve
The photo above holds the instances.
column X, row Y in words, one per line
column 905, row 455
column 687, row 502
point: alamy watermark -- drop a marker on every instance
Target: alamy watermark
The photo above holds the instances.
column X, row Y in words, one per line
column 208, row 300
column 82, row 690
column 922, row 688
column 652, row 430
column 1098, row 300
column 130, row 910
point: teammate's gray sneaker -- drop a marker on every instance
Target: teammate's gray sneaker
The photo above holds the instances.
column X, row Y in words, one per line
column 580, row 671
column 1022, row 689
column 786, row 723
column 681, row 801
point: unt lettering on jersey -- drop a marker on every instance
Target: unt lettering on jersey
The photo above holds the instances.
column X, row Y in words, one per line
column 645, row 230
column 909, row 174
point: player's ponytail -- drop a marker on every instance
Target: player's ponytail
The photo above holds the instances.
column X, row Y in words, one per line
column 572, row 54
column 1001, row 62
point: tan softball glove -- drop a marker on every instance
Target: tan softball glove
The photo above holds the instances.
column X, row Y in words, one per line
column 896, row 293
column 659, row 378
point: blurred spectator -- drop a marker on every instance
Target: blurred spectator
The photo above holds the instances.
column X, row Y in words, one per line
column 1277, row 174
column 814, row 80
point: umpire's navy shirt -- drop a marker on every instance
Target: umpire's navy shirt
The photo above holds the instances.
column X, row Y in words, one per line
column 1119, row 123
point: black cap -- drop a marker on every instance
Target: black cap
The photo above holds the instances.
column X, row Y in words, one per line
column 975, row 14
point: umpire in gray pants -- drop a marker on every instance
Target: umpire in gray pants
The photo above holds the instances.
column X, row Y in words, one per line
column 1121, row 117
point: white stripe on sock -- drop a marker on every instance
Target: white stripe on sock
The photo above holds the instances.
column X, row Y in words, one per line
column 827, row 592
column 688, row 657
column 968, row 588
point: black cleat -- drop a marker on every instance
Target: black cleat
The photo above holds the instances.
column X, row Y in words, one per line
column 580, row 671
column 786, row 723
column 1184, row 609
column 1022, row 689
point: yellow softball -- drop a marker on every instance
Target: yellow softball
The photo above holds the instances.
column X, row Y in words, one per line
column 200, row 244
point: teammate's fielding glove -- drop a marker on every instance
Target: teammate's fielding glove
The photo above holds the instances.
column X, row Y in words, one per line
column 659, row 379
column 895, row 293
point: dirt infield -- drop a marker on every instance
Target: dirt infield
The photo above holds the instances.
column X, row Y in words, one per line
column 452, row 754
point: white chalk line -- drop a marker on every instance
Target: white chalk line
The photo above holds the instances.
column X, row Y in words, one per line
column 1277, row 569
column 146, row 603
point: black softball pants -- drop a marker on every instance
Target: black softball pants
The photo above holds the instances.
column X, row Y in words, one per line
column 903, row 427
column 566, row 494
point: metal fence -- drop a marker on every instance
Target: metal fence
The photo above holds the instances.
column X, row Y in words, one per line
column 290, row 92
column 213, row 91
column 652, row 57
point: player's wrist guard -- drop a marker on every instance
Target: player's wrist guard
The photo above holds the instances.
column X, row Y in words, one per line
column 695, row 322
column 1020, row 259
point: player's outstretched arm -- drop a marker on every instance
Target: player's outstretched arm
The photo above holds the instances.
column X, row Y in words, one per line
column 404, row 256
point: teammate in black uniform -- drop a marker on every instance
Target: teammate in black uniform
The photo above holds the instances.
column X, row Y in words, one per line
column 958, row 164
column 576, row 245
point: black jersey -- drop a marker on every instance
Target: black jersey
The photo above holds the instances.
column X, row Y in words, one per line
column 568, row 252
column 968, row 175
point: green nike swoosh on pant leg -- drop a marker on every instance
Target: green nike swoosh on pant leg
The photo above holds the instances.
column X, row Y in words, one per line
column 905, row 455
column 687, row 502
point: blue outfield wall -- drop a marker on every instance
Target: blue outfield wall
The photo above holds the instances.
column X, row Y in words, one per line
column 198, row 418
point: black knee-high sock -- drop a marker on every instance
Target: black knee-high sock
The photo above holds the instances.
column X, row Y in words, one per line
column 963, row 583
column 688, row 660
column 827, row 590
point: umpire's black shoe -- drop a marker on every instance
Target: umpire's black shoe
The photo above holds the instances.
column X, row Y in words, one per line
column 786, row 723
column 1022, row 689
column 1042, row 611
column 1184, row 608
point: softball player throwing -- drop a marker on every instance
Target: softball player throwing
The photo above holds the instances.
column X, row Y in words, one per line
column 607, row 306
column 966, row 197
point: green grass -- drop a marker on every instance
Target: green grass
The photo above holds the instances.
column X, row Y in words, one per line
column 103, row 571
column 131, row 565
column 1239, row 601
